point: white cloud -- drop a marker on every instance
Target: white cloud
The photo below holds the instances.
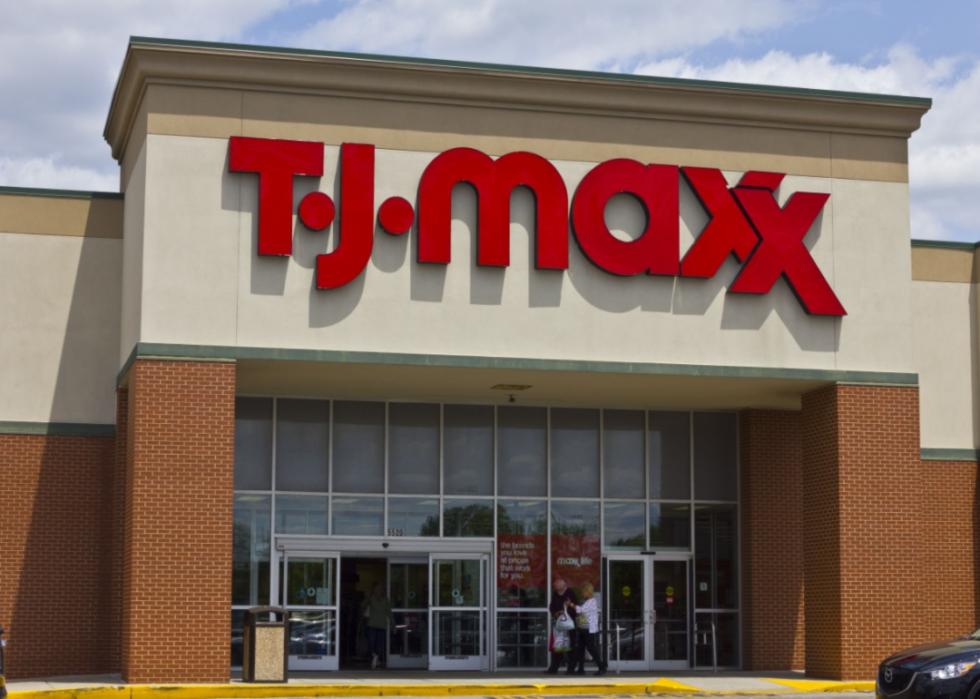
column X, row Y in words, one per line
column 58, row 64
column 48, row 173
column 580, row 34
column 944, row 155
column 59, row 60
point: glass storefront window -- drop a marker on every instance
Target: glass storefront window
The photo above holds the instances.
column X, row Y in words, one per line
column 715, row 550
column 413, row 517
column 574, row 453
column 522, row 553
column 253, row 443
column 575, row 549
column 715, row 457
column 468, row 449
column 551, row 466
column 251, row 547
column 409, row 585
column 625, row 524
column 522, row 451
column 413, row 448
column 725, row 627
column 302, row 514
column 302, row 439
column 624, row 454
column 237, row 636
column 669, row 437
column 461, row 517
column 670, row 525
column 457, row 582
column 358, row 516
column 522, row 639
column 358, row 447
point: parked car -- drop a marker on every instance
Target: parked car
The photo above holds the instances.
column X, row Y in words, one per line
column 3, row 681
column 948, row 670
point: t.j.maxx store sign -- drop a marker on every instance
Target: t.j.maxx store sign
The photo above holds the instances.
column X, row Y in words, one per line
column 745, row 221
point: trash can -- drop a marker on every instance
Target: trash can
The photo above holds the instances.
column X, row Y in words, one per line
column 265, row 645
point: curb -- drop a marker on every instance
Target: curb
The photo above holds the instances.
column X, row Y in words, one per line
column 267, row 691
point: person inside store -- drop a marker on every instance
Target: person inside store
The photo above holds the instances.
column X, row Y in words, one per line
column 377, row 612
column 562, row 642
column 586, row 632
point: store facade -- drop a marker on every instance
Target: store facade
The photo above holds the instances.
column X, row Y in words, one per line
column 465, row 512
column 452, row 331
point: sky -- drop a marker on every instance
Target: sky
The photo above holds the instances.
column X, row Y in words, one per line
column 59, row 60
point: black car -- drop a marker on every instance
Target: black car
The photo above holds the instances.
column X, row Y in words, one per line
column 949, row 670
column 3, row 683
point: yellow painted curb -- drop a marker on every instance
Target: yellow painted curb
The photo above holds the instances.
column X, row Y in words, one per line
column 825, row 685
column 268, row 691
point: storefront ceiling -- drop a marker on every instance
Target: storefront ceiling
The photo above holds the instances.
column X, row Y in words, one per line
column 547, row 387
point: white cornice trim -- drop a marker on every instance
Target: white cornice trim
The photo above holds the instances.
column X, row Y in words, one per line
column 496, row 87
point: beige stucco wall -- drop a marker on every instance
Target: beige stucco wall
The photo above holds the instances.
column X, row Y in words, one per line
column 945, row 347
column 131, row 282
column 204, row 284
column 60, row 327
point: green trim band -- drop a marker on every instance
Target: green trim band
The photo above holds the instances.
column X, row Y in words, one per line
column 60, row 193
column 147, row 350
column 553, row 72
column 58, row 429
column 933, row 454
column 945, row 244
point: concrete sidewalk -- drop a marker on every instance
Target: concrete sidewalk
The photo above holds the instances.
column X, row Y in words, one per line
column 425, row 684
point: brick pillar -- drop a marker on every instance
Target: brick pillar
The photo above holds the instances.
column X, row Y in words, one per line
column 116, row 500
column 176, row 596
column 772, row 540
column 862, row 527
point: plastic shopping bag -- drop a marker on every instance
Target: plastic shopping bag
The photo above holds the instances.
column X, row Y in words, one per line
column 562, row 642
column 564, row 623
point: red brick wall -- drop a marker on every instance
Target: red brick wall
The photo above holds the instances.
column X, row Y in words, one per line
column 949, row 544
column 53, row 565
column 862, row 527
column 117, row 505
column 178, row 524
column 772, row 540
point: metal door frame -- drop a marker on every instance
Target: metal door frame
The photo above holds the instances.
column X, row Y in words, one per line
column 328, row 662
column 655, row 663
column 648, row 563
column 482, row 660
column 644, row 663
column 401, row 662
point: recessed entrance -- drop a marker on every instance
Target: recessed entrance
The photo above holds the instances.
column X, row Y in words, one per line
column 439, row 608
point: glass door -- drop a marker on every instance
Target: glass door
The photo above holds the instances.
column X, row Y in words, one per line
column 458, row 612
column 628, row 612
column 310, row 585
column 671, row 617
column 648, row 612
column 408, row 590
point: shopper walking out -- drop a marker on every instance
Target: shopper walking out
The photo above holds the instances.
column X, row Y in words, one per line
column 562, row 597
column 587, row 631
column 377, row 613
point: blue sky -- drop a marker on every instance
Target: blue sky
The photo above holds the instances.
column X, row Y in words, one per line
column 59, row 60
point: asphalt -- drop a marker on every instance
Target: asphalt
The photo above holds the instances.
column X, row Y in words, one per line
column 425, row 684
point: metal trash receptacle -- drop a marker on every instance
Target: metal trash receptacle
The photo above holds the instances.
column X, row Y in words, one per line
column 265, row 645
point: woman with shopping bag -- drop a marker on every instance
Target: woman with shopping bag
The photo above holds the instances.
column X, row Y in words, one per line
column 586, row 632
column 562, row 641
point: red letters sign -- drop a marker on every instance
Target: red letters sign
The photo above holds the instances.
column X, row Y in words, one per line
column 746, row 221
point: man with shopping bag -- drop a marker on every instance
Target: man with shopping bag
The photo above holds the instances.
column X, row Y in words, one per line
column 562, row 640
